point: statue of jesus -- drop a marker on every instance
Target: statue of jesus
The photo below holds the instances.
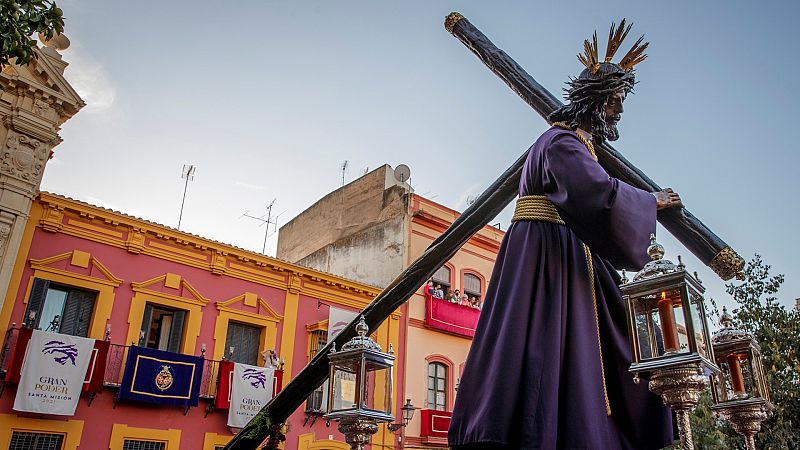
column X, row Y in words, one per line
column 548, row 367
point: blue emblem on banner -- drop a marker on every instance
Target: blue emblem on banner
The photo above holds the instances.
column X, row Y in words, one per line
column 67, row 351
column 157, row 376
column 255, row 377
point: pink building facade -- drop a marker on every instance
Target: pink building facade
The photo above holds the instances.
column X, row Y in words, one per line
column 149, row 285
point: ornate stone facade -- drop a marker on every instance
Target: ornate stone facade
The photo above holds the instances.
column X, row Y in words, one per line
column 35, row 100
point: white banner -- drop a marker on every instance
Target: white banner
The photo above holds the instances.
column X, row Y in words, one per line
column 52, row 373
column 251, row 389
column 338, row 319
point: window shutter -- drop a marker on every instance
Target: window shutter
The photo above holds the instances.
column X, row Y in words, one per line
column 176, row 332
column 78, row 313
column 147, row 317
column 442, row 276
column 472, row 284
column 245, row 340
column 36, row 300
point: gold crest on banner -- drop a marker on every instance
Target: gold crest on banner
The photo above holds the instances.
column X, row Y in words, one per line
column 164, row 378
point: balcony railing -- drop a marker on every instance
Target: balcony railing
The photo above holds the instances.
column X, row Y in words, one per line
column 9, row 343
column 434, row 424
column 451, row 317
column 115, row 366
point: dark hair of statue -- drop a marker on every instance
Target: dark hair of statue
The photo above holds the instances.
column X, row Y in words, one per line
column 587, row 96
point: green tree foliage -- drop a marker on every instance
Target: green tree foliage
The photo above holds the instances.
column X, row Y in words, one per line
column 20, row 20
column 777, row 329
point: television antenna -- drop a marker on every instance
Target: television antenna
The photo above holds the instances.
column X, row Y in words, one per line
column 267, row 220
column 344, row 169
column 186, row 174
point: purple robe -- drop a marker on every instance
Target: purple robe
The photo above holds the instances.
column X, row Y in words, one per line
column 534, row 378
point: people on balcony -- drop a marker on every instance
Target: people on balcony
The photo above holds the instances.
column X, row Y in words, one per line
column 436, row 291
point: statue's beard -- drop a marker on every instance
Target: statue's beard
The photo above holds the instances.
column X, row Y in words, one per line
column 612, row 133
column 604, row 128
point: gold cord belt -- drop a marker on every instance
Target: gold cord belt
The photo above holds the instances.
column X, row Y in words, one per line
column 536, row 207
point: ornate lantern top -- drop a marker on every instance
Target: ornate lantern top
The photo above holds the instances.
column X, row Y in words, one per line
column 658, row 265
column 730, row 334
column 362, row 341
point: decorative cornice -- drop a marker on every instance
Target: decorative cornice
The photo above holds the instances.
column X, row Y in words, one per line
column 44, row 265
column 268, row 312
column 142, row 286
column 137, row 233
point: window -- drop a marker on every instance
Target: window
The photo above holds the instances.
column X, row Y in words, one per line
column 245, row 341
column 316, row 401
column 60, row 309
column 22, row 440
column 442, row 278
column 437, row 386
column 162, row 328
column 472, row 286
column 131, row 444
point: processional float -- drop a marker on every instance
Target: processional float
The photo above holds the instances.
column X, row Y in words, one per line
column 686, row 227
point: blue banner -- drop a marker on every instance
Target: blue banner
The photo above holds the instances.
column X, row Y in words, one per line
column 157, row 376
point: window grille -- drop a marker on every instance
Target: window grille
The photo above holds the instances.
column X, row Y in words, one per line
column 245, row 340
column 23, row 440
column 316, row 401
column 132, row 444
column 437, row 386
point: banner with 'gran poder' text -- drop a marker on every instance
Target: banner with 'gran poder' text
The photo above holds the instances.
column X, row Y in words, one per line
column 52, row 373
column 251, row 389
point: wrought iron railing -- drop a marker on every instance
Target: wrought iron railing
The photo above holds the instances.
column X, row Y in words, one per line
column 115, row 366
column 9, row 343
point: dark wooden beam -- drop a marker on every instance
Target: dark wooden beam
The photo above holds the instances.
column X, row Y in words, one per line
column 685, row 226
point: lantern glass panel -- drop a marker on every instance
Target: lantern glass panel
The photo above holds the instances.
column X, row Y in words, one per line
column 739, row 376
column 699, row 324
column 367, row 400
column 344, row 396
column 344, row 387
column 660, row 324
column 749, row 378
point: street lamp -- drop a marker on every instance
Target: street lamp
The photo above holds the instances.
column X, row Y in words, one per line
column 740, row 391
column 669, row 335
column 408, row 414
column 360, row 359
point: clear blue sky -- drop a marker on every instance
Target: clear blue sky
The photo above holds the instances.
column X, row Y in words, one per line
column 268, row 98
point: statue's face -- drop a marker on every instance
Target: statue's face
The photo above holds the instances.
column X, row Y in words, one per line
column 613, row 113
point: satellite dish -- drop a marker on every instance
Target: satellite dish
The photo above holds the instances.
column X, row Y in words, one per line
column 402, row 173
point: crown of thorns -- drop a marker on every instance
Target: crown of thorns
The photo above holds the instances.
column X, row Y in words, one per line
column 616, row 35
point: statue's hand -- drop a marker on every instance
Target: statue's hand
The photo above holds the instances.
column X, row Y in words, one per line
column 667, row 198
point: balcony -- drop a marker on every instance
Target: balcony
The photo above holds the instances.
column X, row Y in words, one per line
column 16, row 343
column 450, row 317
column 434, row 427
